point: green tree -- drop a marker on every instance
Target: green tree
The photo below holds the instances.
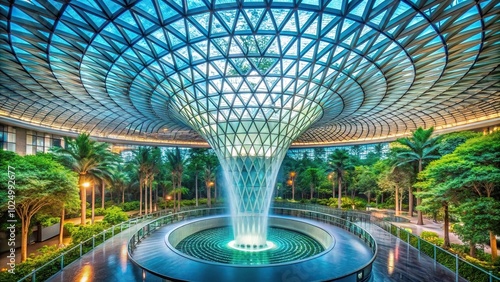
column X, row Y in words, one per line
column 340, row 162
column 449, row 142
column 141, row 161
column 211, row 163
column 440, row 188
column 196, row 164
column 478, row 217
column 483, row 175
column 39, row 181
column 365, row 180
column 176, row 162
column 313, row 176
column 86, row 157
column 394, row 179
column 420, row 148
column 120, row 179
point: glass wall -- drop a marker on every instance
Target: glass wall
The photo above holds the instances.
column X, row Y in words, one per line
column 37, row 142
column 7, row 138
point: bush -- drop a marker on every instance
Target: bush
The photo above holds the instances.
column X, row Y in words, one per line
column 347, row 203
column 114, row 215
column 129, row 206
column 81, row 233
column 49, row 221
column 429, row 235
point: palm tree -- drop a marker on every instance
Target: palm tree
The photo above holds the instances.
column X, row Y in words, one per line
column 87, row 158
column 340, row 161
column 120, row 179
column 420, row 147
column 175, row 162
column 196, row 164
column 142, row 161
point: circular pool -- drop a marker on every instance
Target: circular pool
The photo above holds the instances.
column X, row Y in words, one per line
column 298, row 249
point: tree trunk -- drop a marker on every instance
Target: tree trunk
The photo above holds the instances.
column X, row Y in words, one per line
column 151, row 196
column 420, row 220
column 93, row 204
column 339, row 200
column 410, row 201
column 396, row 195
column 156, row 197
column 25, row 225
column 146, row 197
column 103, row 192
column 123, row 194
column 446, row 228
column 215, row 191
column 311, row 187
column 141, row 181
column 209, row 196
column 174, row 195
column 179, row 200
column 196, row 188
column 400, row 202
column 369, row 196
column 493, row 245
column 83, row 199
column 61, row 229
column 333, row 187
column 472, row 249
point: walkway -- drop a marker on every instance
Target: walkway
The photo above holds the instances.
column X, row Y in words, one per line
column 108, row 262
column 396, row 261
column 436, row 227
column 54, row 241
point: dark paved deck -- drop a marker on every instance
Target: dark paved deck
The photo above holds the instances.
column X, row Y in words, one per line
column 346, row 256
column 396, row 261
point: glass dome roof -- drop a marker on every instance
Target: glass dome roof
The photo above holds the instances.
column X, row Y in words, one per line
column 171, row 71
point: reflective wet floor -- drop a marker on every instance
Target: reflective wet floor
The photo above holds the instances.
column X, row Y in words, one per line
column 396, row 261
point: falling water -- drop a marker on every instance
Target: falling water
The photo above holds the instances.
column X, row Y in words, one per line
column 250, row 181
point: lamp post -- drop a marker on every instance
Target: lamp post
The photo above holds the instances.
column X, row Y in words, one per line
column 292, row 178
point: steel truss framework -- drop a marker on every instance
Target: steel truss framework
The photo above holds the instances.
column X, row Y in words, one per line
column 317, row 71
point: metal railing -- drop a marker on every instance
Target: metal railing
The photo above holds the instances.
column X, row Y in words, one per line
column 362, row 273
column 453, row 262
column 55, row 265
column 459, row 266
column 152, row 226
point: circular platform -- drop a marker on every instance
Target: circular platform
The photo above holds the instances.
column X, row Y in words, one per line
column 211, row 240
column 344, row 257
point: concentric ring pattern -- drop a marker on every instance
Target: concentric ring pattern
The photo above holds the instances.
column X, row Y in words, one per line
column 360, row 69
column 212, row 245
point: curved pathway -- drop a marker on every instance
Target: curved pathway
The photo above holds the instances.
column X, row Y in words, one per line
column 108, row 262
column 396, row 261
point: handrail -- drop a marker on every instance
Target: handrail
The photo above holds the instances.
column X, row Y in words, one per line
column 412, row 240
column 365, row 236
column 349, row 215
column 81, row 248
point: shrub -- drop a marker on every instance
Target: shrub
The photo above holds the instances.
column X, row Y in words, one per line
column 49, row 221
column 129, row 206
column 429, row 235
column 81, row 233
column 99, row 211
column 114, row 215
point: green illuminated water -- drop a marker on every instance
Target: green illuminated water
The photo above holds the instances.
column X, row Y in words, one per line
column 213, row 245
